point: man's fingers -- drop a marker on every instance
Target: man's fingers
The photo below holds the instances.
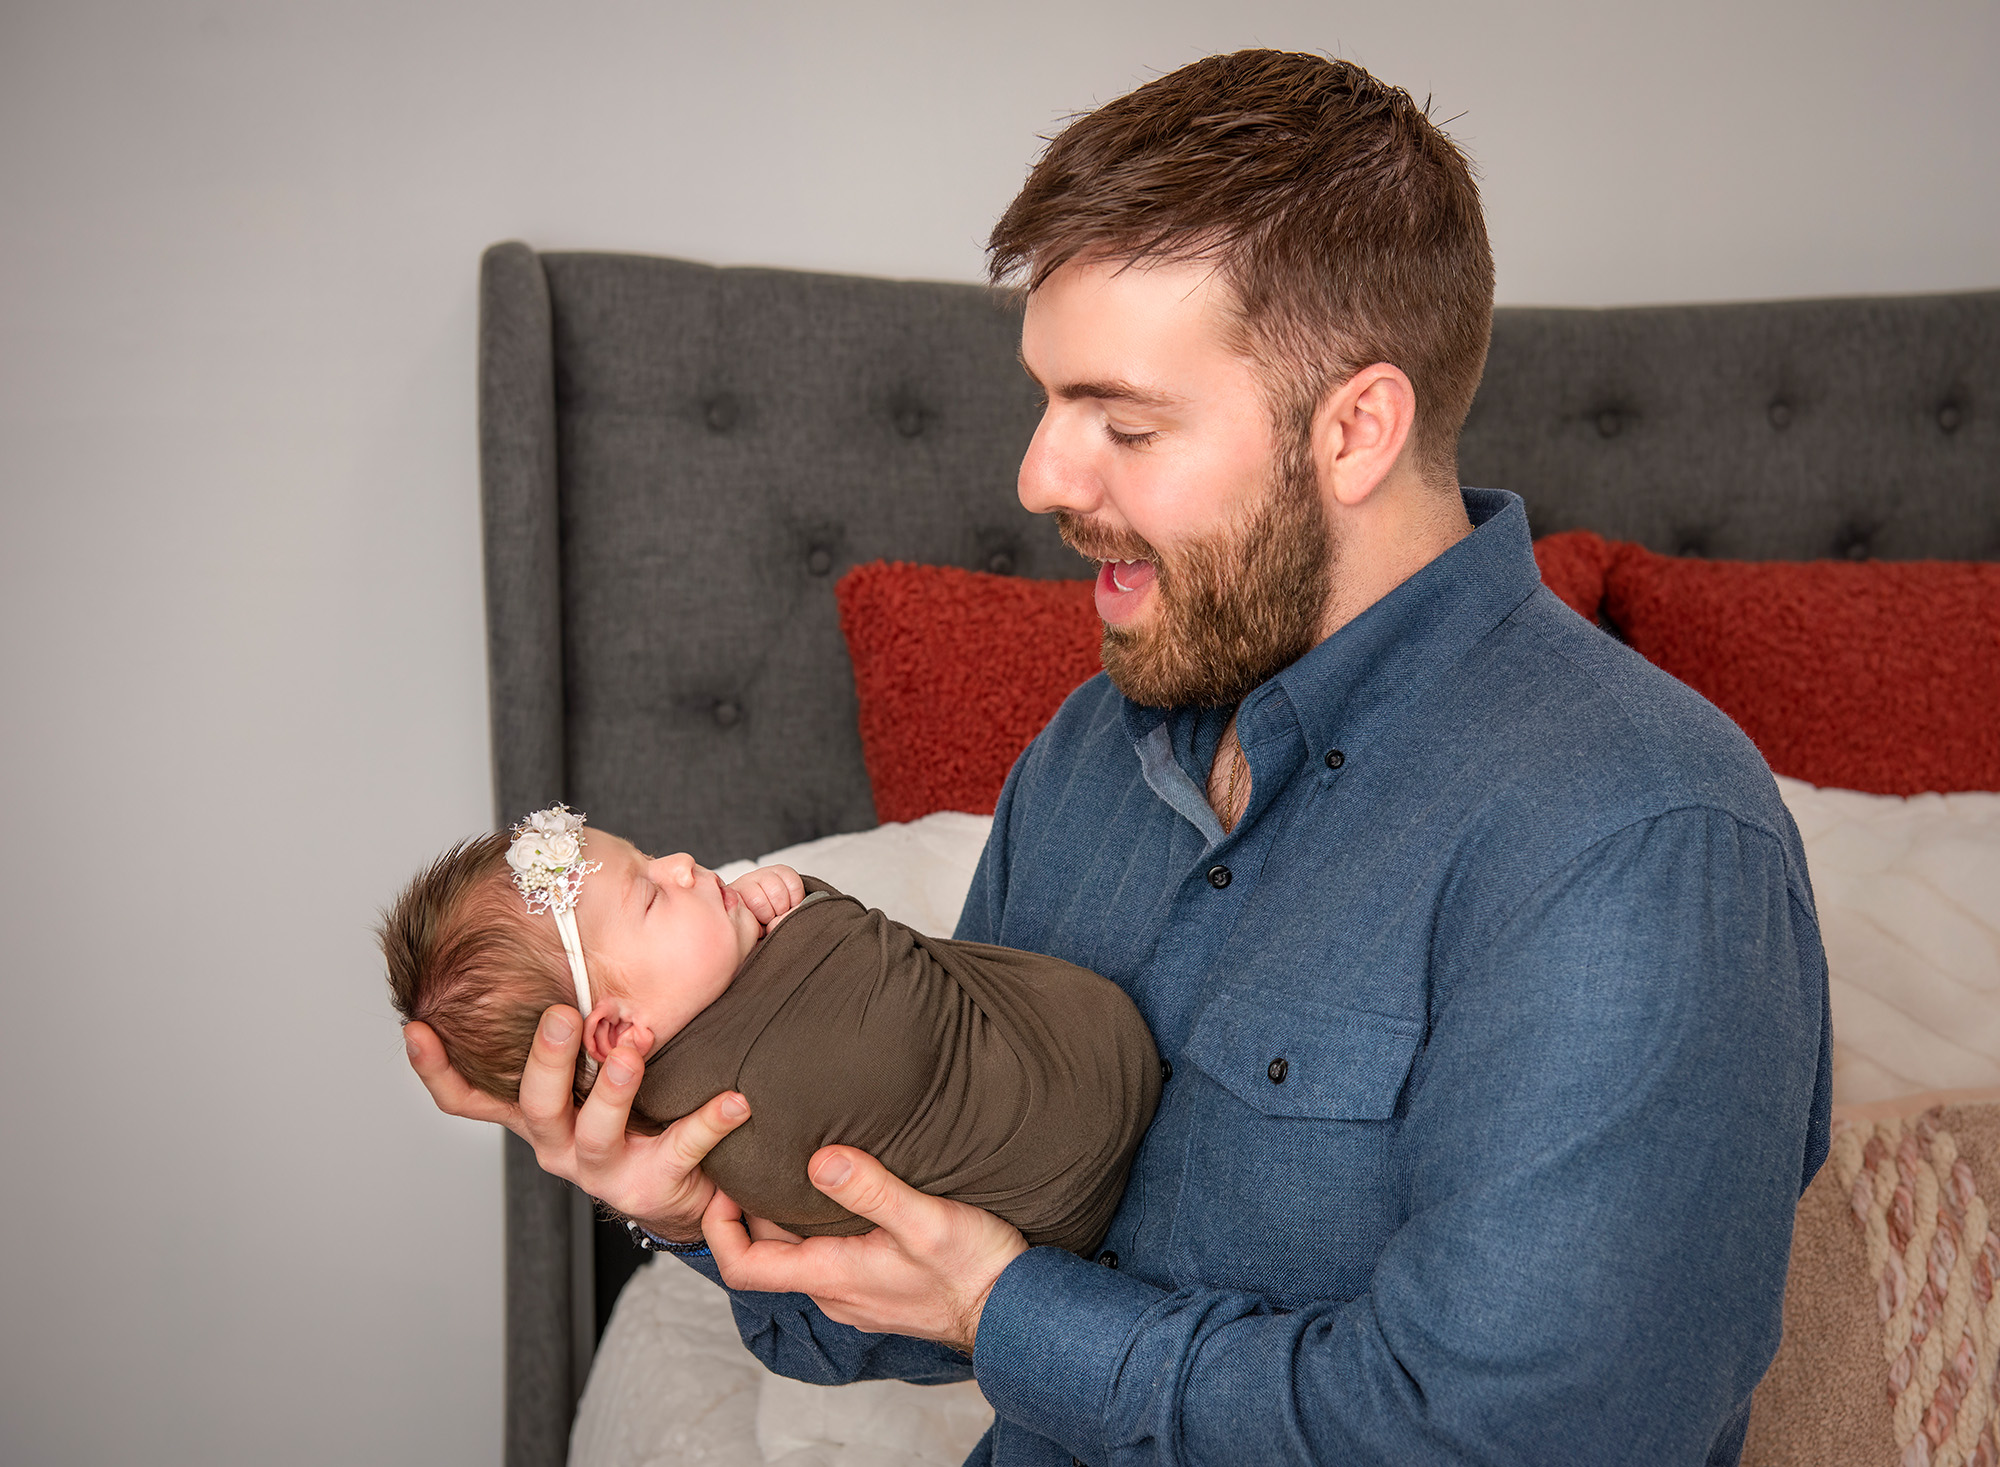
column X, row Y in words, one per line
column 446, row 1085
column 762, row 1228
column 866, row 1188
column 724, row 1229
column 763, row 1264
column 694, row 1135
column 549, row 1077
column 600, row 1125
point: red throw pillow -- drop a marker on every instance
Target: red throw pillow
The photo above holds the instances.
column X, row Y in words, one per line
column 1881, row 676
column 957, row 672
column 1572, row 565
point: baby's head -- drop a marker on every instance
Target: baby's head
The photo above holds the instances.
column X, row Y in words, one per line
column 660, row 940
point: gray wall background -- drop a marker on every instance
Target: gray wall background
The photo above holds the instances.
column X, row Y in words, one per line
column 243, row 678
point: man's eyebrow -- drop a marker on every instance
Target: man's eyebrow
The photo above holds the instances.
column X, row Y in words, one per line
column 1112, row 389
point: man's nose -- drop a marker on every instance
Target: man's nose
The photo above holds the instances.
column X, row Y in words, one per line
column 1052, row 478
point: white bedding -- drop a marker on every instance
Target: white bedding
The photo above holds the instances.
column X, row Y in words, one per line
column 1908, row 894
column 918, row 873
column 673, row 1387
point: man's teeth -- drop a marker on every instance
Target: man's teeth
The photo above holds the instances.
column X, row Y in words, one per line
column 1114, row 572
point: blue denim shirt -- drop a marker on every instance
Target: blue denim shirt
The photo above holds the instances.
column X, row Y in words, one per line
column 1499, row 1058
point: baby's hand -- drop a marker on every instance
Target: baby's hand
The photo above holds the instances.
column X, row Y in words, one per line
column 769, row 892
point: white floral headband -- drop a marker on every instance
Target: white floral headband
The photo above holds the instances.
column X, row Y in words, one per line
column 547, row 857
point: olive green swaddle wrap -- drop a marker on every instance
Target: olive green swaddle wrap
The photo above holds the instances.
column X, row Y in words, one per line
column 1008, row 1080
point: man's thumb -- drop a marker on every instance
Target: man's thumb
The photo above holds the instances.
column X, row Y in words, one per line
column 855, row 1180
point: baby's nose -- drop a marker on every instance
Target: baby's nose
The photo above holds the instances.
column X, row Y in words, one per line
column 678, row 869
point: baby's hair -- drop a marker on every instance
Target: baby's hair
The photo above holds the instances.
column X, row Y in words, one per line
column 466, row 958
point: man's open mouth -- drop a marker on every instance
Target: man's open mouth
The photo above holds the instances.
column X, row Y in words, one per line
column 1129, row 575
column 1121, row 588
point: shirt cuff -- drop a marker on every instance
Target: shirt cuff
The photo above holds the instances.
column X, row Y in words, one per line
column 645, row 1238
column 1052, row 1337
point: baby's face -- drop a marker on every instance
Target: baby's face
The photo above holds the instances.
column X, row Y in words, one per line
column 669, row 930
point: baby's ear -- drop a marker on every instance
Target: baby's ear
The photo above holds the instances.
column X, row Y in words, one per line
column 606, row 1027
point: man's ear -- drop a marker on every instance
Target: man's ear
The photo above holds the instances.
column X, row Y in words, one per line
column 1360, row 431
column 607, row 1026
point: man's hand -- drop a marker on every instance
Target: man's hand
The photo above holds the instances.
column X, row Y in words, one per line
column 769, row 892
column 925, row 1271
column 656, row 1179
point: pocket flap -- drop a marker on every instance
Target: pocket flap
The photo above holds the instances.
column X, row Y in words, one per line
column 1302, row 1058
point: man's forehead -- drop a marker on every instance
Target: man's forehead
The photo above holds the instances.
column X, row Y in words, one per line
column 1113, row 329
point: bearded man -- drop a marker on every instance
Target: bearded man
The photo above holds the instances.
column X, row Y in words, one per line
column 1481, row 953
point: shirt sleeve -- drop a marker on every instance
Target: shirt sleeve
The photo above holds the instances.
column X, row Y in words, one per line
column 1600, row 1148
column 789, row 1334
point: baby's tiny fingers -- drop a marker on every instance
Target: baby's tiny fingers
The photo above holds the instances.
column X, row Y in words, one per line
column 750, row 887
column 794, row 888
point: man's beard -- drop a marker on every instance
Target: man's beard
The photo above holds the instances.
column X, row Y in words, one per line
column 1232, row 610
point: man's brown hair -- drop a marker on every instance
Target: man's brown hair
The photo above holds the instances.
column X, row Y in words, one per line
column 465, row 959
column 1344, row 220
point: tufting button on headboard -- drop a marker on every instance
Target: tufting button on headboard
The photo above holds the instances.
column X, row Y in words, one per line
column 1780, row 414
column 728, row 713
column 1950, row 416
column 819, row 560
column 1854, row 542
column 720, row 413
column 1609, row 422
column 997, row 550
column 909, row 420
column 1691, row 542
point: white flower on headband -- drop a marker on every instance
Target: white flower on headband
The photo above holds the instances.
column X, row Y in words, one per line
column 547, row 859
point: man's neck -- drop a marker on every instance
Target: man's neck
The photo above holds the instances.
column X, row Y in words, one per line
column 1398, row 530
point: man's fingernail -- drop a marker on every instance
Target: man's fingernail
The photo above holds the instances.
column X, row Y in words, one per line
column 618, row 1072
column 556, row 1029
column 833, row 1171
column 735, row 1108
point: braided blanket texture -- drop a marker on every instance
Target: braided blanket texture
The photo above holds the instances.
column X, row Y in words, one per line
column 1892, row 1321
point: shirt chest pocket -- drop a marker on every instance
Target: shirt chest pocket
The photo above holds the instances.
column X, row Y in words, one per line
column 1309, row 1060
column 1285, row 1186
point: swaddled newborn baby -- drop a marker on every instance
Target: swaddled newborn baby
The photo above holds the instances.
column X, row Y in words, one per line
column 1017, row 1083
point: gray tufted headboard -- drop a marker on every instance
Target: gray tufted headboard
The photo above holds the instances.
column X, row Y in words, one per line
column 678, row 461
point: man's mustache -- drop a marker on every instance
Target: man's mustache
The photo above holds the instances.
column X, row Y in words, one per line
column 1094, row 542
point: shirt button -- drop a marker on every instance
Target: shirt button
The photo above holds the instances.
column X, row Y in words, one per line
column 1334, row 758
column 1108, row 1258
column 1166, row 1071
column 1276, row 1070
column 1218, row 877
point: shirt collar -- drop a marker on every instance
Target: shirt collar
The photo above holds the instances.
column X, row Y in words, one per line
column 1344, row 687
